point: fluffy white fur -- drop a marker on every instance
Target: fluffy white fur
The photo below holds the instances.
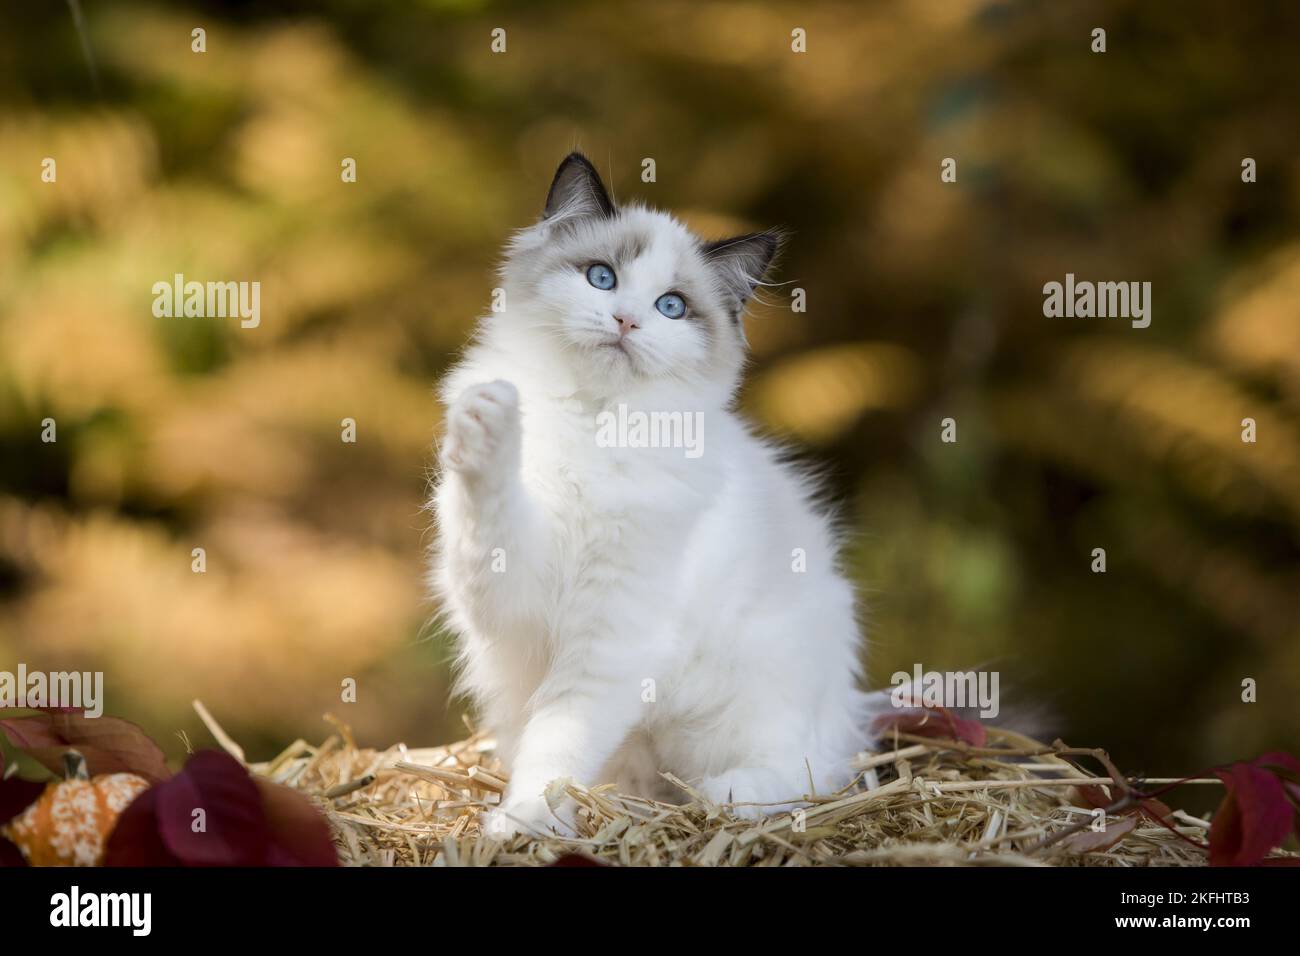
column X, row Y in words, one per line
column 574, row 575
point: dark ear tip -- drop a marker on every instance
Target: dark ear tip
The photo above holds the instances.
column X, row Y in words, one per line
column 574, row 170
column 573, row 159
column 576, row 157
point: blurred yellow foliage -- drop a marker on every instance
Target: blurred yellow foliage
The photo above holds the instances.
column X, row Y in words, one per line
column 923, row 303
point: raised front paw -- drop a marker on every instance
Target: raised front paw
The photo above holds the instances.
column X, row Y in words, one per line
column 483, row 430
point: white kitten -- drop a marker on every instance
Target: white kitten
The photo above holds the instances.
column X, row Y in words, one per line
column 623, row 611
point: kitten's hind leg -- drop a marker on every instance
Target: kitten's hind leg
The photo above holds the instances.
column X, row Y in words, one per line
column 635, row 770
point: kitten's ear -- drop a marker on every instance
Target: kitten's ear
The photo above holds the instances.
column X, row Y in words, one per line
column 740, row 263
column 577, row 190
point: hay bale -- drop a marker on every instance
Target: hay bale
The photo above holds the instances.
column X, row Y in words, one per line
column 919, row 802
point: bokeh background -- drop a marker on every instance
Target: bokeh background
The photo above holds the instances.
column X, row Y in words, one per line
column 924, row 300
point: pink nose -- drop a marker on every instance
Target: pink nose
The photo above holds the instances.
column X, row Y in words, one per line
column 625, row 325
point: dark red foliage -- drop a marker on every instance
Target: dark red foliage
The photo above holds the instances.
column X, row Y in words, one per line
column 244, row 822
column 109, row 744
column 15, row 797
column 578, row 860
column 930, row 722
column 1261, row 807
column 1097, row 797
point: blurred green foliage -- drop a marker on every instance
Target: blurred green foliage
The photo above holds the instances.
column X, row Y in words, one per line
column 924, row 302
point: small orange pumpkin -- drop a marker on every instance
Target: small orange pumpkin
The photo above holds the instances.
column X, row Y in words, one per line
column 69, row 823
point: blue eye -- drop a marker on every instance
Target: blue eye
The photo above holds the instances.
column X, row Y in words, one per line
column 671, row 304
column 601, row 276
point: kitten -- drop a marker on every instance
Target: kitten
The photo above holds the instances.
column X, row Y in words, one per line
column 622, row 611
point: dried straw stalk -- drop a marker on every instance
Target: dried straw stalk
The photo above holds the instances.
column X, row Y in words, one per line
column 922, row 802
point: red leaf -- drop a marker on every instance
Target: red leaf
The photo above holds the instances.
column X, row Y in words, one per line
column 233, row 826
column 109, row 744
column 1093, row 841
column 301, row 835
column 1094, row 795
column 931, row 722
column 1287, row 768
column 16, row 796
column 1255, row 816
column 576, row 859
column 10, row 855
column 1280, row 763
column 1155, row 809
column 135, row 840
column 247, row 822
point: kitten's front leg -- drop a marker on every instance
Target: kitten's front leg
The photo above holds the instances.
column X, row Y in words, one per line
column 581, row 718
column 492, row 538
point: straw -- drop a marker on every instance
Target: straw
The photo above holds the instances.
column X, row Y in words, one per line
column 931, row 803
